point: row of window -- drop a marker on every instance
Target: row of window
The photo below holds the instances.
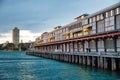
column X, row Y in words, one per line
column 102, row 26
column 105, row 22
column 102, row 16
column 107, row 44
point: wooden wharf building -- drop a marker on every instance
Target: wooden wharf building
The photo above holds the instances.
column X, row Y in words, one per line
column 91, row 40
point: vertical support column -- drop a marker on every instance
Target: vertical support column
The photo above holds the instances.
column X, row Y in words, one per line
column 113, row 64
column 96, row 44
column 65, row 47
column 93, row 61
column 70, row 58
column 105, row 63
column 62, row 47
column 96, row 27
column 89, row 49
column 88, row 60
column 69, row 46
column 83, row 60
column 115, row 43
column 83, row 44
column 115, row 27
column 77, row 46
column 67, row 57
column 101, row 62
column 105, row 49
column 73, row 46
column 63, row 57
column 48, row 49
column 98, row 62
column 80, row 59
column 76, row 58
column 73, row 58
column 57, row 46
column 119, row 64
column 53, row 48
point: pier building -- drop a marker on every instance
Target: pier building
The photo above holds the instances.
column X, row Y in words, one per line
column 98, row 32
column 92, row 40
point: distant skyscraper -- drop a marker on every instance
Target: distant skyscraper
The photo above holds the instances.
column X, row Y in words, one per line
column 15, row 36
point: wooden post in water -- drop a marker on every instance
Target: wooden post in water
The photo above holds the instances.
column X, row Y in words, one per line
column 80, row 59
column 93, row 61
column 101, row 62
column 88, row 60
column 98, row 62
column 113, row 63
column 105, row 63
column 83, row 57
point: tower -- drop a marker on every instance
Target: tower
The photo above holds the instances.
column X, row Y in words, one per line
column 15, row 36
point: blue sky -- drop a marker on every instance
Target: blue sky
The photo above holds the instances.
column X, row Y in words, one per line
column 38, row 16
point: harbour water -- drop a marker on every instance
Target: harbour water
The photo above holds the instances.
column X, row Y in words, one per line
column 19, row 66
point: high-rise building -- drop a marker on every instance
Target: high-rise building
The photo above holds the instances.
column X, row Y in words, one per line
column 15, row 36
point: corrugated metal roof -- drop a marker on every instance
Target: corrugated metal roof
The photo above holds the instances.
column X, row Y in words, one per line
column 106, row 9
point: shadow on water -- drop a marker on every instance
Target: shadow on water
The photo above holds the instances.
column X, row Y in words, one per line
column 19, row 66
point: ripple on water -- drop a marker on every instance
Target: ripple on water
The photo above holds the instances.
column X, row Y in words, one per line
column 19, row 66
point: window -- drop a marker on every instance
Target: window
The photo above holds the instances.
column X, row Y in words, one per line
column 75, row 35
column 111, row 12
column 86, row 45
column 80, row 34
column 85, row 22
column 109, row 43
column 117, row 11
column 118, row 21
column 92, row 44
column 80, row 46
column 94, row 19
column 109, row 24
column 90, row 20
column 100, row 26
column 100, row 44
column 80, row 24
column 93, row 27
column 106, row 14
column 63, row 30
column 86, row 26
column 98, row 17
column 118, row 43
column 101, row 16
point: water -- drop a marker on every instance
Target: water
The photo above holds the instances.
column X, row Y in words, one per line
column 19, row 66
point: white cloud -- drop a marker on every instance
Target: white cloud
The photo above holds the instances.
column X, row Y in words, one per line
column 25, row 36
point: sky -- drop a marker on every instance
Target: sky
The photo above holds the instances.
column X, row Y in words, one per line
column 34, row 17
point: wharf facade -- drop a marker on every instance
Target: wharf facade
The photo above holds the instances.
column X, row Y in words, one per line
column 98, row 33
column 109, row 62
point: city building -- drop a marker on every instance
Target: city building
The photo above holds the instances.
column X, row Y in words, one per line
column 98, row 32
column 15, row 36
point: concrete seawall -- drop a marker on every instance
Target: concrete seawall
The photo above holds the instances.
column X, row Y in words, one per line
column 104, row 61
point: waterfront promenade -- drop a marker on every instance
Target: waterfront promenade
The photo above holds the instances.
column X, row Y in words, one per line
column 110, row 61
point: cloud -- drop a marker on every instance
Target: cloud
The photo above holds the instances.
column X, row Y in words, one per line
column 25, row 36
column 38, row 15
